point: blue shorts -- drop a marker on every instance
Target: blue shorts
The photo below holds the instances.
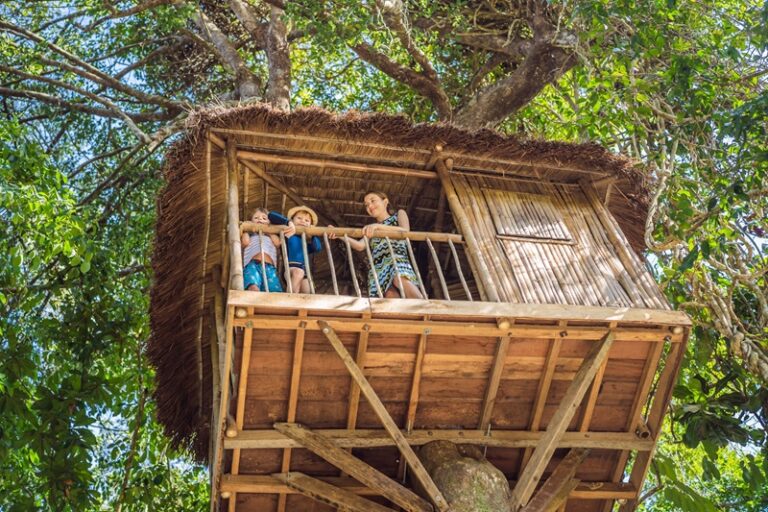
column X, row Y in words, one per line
column 252, row 275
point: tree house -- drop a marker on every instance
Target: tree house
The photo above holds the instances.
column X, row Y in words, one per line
column 544, row 348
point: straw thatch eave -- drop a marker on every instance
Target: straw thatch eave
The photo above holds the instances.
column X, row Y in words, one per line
column 191, row 217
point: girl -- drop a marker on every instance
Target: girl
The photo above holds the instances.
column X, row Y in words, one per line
column 377, row 205
column 253, row 246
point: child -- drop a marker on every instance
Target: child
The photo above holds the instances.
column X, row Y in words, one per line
column 302, row 216
column 253, row 246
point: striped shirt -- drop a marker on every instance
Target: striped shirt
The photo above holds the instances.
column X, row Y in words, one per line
column 254, row 248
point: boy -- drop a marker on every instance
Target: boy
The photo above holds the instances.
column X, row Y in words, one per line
column 299, row 216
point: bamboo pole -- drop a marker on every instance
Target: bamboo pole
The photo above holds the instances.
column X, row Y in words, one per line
column 288, row 284
column 415, row 266
column 500, row 268
column 630, row 260
column 352, row 266
column 459, row 271
column 460, row 215
column 373, row 267
column 438, row 270
column 416, row 236
column 331, row 263
column 233, row 231
column 263, row 261
column 306, row 263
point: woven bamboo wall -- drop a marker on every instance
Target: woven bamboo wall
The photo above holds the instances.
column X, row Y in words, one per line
column 552, row 243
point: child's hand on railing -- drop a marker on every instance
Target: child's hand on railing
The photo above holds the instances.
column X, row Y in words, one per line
column 370, row 228
column 290, row 229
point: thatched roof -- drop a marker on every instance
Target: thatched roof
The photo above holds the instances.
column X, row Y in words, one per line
column 189, row 242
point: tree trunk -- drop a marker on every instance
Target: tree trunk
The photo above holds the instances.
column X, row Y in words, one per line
column 467, row 480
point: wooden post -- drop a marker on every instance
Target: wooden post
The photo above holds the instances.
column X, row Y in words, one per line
column 389, row 424
column 354, row 467
column 494, row 379
column 233, row 221
column 559, row 423
column 473, row 248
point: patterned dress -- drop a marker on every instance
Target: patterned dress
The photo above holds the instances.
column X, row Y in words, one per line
column 382, row 262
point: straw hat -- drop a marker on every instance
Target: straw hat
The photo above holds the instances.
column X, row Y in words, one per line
column 293, row 211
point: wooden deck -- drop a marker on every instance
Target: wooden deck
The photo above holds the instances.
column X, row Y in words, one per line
column 497, row 376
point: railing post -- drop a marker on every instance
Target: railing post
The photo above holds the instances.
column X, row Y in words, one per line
column 287, row 270
column 373, row 266
column 458, row 268
column 416, row 268
column 352, row 266
column 439, row 270
column 331, row 263
column 263, row 261
column 307, row 270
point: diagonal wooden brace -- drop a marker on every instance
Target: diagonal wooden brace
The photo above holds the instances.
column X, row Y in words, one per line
column 417, row 468
column 326, row 448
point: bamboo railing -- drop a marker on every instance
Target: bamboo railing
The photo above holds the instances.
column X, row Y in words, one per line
column 343, row 235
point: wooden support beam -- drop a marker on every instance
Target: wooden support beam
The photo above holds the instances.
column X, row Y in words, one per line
column 357, row 469
column 494, row 379
column 559, row 423
column 233, row 220
column 270, row 179
column 368, row 438
column 389, row 425
column 329, row 494
column 543, row 391
column 240, row 408
column 559, row 485
column 293, row 396
column 479, row 310
column 267, row 484
column 473, row 247
column 354, row 389
column 331, row 163
column 442, row 327
column 223, row 408
column 413, row 401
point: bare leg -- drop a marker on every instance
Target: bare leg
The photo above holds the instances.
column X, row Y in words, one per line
column 297, row 276
column 305, row 286
column 411, row 291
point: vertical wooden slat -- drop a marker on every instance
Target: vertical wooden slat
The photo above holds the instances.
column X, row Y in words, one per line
column 218, row 431
column 233, row 225
column 331, row 264
column 351, row 261
column 307, row 266
column 494, row 379
column 293, row 395
column 481, row 269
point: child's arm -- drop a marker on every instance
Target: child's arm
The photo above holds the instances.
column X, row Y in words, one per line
column 245, row 239
column 315, row 245
column 282, row 220
column 275, row 240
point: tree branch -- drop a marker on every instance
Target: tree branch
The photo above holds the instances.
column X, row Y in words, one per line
column 248, row 84
column 86, row 70
column 255, row 28
column 407, row 76
column 102, row 112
